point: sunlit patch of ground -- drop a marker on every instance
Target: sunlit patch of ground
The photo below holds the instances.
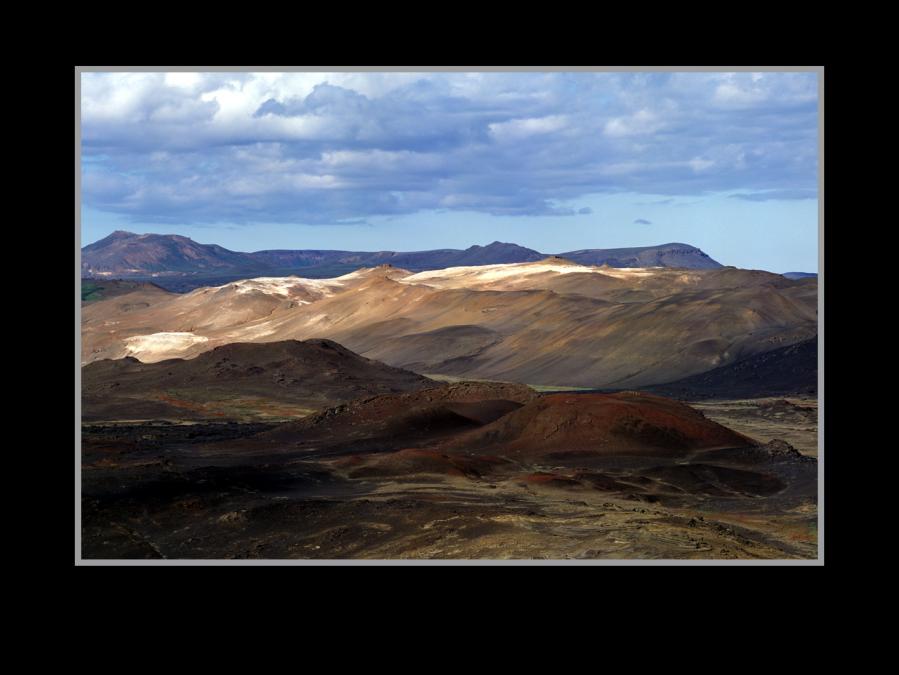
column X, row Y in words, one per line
column 794, row 420
column 239, row 408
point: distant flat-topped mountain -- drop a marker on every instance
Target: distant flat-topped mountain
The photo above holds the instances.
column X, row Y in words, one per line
column 128, row 254
column 666, row 255
column 172, row 258
column 800, row 275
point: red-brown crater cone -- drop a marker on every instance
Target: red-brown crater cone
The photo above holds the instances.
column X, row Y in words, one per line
column 625, row 423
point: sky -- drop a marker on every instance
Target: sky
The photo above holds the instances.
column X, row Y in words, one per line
column 553, row 161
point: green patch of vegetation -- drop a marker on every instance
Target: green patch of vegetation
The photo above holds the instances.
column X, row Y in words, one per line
column 536, row 387
column 543, row 388
column 442, row 378
column 244, row 408
column 453, row 378
column 91, row 291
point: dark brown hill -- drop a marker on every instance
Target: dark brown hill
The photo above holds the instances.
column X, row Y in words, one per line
column 394, row 421
column 282, row 379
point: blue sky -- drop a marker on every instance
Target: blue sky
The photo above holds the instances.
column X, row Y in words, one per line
column 411, row 161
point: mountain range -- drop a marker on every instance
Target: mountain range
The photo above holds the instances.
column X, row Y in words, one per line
column 179, row 263
column 549, row 322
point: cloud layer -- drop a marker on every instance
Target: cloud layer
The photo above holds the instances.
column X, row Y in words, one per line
column 321, row 148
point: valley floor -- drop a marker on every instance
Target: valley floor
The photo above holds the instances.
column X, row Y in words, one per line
column 152, row 491
column 791, row 419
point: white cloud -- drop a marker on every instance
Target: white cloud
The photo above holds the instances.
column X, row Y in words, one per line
column 379, row 160
column 183, row 80
column 522, row 128
column 699, row 164
column 641, row 122
column 732, row 93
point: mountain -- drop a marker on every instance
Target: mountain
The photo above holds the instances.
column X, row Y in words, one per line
column 171, row 258
column 666, row 255
column 800, row 275
column 497, row 252
column 779, row 372
column 128, row 254
column 272, row 379
column 550, row 322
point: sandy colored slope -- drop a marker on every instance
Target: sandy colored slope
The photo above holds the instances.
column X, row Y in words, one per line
column 549, row 322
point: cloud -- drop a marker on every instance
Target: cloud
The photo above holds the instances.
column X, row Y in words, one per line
column 769, row 195
column 642, row 221
column 585, row 210
column 657, row 202
column 517, row 129
column 332, row 147
column 641, row 122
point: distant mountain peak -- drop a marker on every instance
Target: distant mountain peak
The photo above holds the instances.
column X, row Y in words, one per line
column 118, row 235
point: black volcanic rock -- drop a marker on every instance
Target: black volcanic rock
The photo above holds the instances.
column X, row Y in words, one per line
column 781, row 450
column 779, row 372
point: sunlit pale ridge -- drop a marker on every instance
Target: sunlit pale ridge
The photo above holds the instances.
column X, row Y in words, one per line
column 629, row 272
column 288, row 286
column 284, row 285
column 550, row 322
column 480, row 274
column 158, row 346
